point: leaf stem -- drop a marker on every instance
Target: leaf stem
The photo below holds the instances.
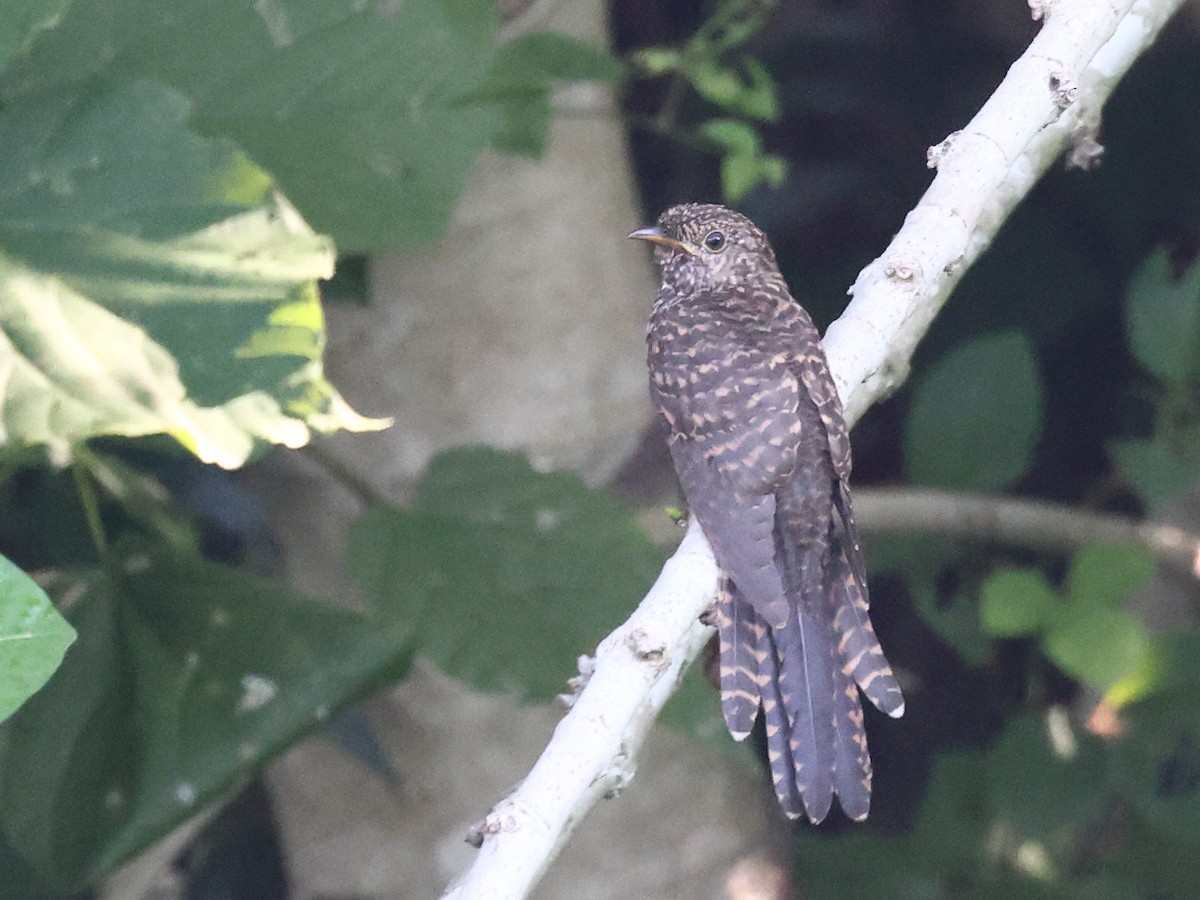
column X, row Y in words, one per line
column 91, row 506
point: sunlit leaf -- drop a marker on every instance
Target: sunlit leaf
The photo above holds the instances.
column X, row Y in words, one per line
column 1097, row 645
column 33, row 638
column 152, row 281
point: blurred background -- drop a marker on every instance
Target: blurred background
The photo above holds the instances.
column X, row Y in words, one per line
column 305, row 672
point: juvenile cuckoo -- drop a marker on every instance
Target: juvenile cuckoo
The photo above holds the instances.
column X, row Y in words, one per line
column 761, row 448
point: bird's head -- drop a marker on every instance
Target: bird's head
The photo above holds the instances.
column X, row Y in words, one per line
column 702, row 246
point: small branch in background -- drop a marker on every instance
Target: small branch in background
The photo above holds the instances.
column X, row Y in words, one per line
column 1030, row 523
column 1050, row 98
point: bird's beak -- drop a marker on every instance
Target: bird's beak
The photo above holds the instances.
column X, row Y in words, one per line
column 655, row 236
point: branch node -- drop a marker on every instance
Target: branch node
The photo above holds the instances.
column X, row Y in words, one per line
column 935, row 154
column 902, row 269
column 620, row 773
column 1064, row 89
column 648, row 648
column 476, row 832
column 491, row 824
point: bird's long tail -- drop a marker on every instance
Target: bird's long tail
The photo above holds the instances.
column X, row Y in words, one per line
column 858, row 647
column 806, row 676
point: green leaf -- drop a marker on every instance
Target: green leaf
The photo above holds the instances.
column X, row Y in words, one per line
column 541, row 57
column 520, row 80
column 975, row 415
column 1157, row 763
column 1157, row 851
column 1096, row 645
column 524, row 122
column 1038, row 792
column 152, row 281
column 21, row 22
column 955, row 619
column 504, row 575
column 170, row 697
column 739, row 173
column 1158, row 469
column 732, row 135
column 758, row 99
column 1017, row 601
column 717, row 83
column 954, row 814
column 1103, row 575
column 655, row 61
column 359, row 110
column 773, row 169
column 924, row 565
column 1163, row 319
column 33, row 638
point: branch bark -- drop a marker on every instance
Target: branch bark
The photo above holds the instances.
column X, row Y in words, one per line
column 1050, row 99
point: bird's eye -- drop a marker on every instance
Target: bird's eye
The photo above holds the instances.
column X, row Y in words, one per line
column 714, row 242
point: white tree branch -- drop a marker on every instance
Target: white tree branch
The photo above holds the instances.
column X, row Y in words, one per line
column 1050, row 99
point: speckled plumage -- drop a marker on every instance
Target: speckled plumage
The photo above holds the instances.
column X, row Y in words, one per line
column 758, row 440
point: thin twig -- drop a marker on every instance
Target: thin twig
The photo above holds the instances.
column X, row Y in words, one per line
column 1031, row 523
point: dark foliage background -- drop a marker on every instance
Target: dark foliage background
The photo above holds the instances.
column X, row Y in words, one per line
column 863, row 90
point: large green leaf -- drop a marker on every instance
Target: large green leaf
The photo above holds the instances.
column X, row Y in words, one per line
column 1039, row 792
column 33, row 637
column 505, row 575
column 186, row 677
column 22, row 20
column 520, row 80
column 1017, row 602
column 152, row 281
column 975, row 416
column 357, row 109
column 1163, row 319
column 1097, row 645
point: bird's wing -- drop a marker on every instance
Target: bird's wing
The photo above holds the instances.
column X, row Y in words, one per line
column 813, row 370
column 739, row 527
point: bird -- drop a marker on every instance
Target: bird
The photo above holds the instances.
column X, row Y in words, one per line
column 759, row 442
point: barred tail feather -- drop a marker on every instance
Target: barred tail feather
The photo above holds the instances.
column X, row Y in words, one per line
column 852, row 762
column 779, row 731
column 858, row 647
column 740, row 638
column 805, row 654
